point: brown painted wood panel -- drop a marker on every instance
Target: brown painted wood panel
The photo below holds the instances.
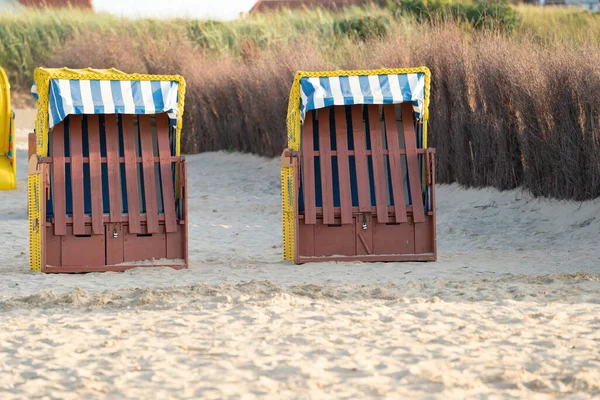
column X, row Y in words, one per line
column 414, row 178
column 425, row 236
column 305, row 240
column 360, row 155
column 378, row 169
column 145, row 247
column 389, row 115
column 113, row 164
column 394, row 238
column 334, row 240
column 364, row 235
column 115, row 234
column 82, row 252
column 184, row 213
column 341, row 138
column 326, row 168
column 370, row 258
column 105, row 268
column 58, row 172
column 168, row 189
column 75, row 135
column 131, row 175
column 51, row 248
column 308, row 170
column 149, row 177
column 93, row 124
column 175, row 244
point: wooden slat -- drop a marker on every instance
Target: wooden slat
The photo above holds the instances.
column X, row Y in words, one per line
column 131, row 175
column 48, row 160
column 88, row 220
column 75, row 134
column 308, row 170
column 378, row 171
column 168, row 189
column 391, row 129
column 341, row 140
column 148, row 168
column 360, row 151
column 58, row 175
column 114, row 170
column 299, row 153
column 355, row 210
column 414, row 173
column 326, row 168
column 93, row 124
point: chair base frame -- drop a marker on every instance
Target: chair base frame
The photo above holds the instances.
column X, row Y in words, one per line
column 365, row 239
column 116, row 249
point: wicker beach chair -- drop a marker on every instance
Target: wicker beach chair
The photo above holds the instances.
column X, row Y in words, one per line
column 107, row 184
column 358, row 181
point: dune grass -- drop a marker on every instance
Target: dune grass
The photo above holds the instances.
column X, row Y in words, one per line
column 509, row 108
column 30, row 38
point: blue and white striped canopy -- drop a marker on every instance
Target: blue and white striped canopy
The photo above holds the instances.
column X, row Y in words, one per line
column 319, row 92
column 109, row 97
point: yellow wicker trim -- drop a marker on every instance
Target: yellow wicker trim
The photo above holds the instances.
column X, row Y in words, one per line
column 35, row 211
column 287, row 205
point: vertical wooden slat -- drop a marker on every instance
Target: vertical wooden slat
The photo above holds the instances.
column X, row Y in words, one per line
column 168, row 190
column 296, row 163
column 341, row 139
column 93, row 124
column 377, row 152
column 326, row 169
column 308, row 170
column 184, row 213
column 391, row 129
column 414, row 174
column 114, row 170
column 58, row 174
column 149, row 178
column 75, row 133
column 360, row 155
column 131, row 175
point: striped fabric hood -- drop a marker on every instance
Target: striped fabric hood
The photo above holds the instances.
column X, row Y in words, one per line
column 68, row 96
column 319, row 92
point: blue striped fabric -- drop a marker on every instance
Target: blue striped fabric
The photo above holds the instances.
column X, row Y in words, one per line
column 369, row 89
column 109, row 97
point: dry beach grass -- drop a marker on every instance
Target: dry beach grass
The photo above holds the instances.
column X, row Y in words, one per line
column 509, row 109
column 505, row 112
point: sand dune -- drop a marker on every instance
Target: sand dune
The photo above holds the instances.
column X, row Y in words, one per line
column 511, row 309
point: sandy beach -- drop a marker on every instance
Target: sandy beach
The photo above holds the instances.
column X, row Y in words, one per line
column 510, row 310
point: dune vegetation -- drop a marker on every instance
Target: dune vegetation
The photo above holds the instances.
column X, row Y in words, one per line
column 515, row 96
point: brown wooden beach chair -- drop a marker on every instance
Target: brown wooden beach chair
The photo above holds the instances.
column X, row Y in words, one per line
column 112, row 193
column 361, row 185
